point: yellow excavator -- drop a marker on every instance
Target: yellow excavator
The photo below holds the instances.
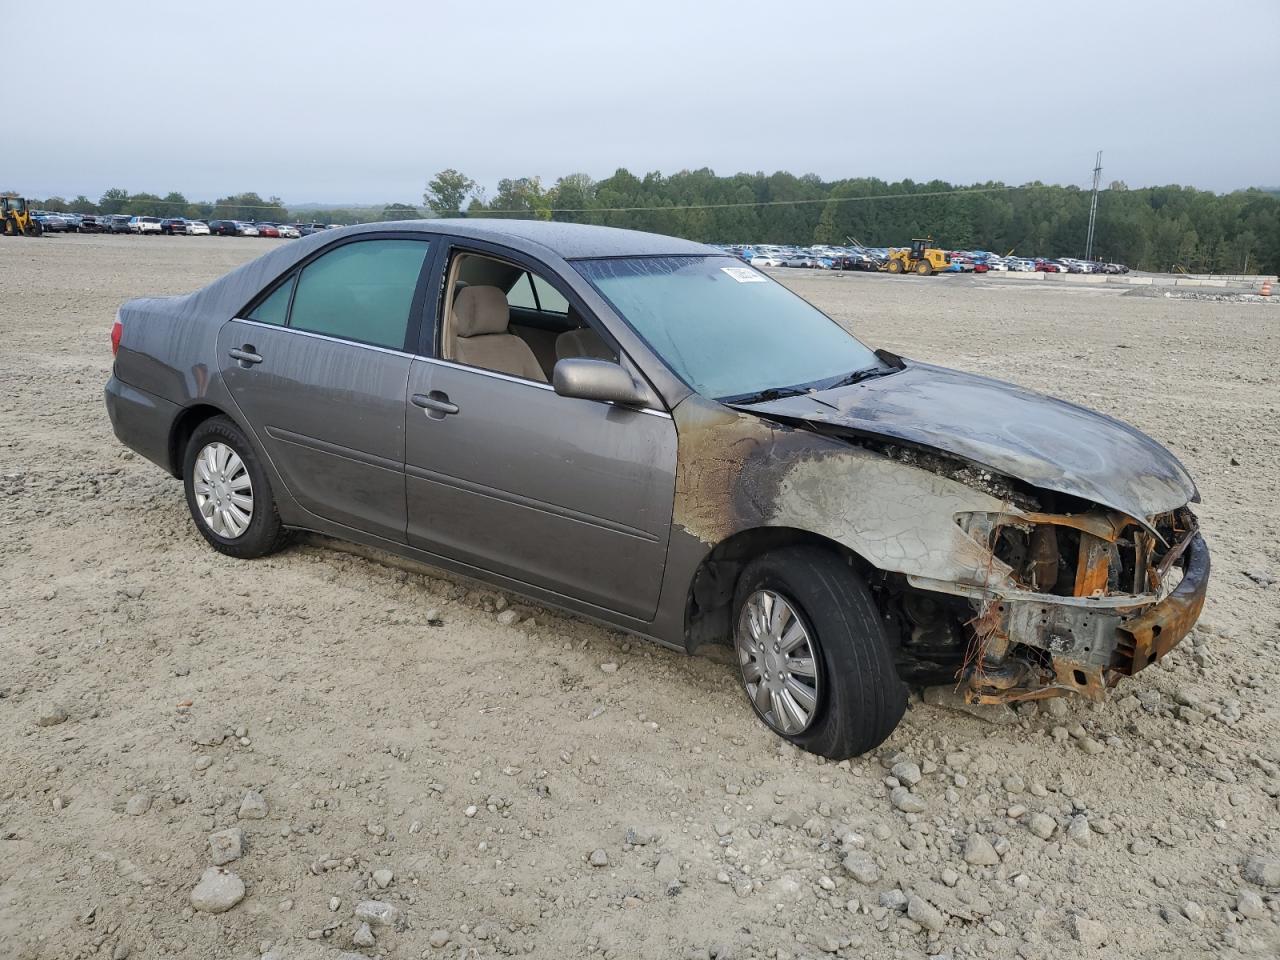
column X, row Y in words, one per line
column 919, row 258
column 16, row 219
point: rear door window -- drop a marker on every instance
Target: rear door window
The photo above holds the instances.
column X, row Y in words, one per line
column 361, row 291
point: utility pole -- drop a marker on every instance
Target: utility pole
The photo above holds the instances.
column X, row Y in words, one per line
column 1093, row 206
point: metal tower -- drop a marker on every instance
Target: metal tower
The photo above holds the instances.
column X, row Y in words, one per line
column 1093, row 206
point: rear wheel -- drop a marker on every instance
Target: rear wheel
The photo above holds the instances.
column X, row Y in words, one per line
column 924, row 268
column 812, row 654
column 228, row 492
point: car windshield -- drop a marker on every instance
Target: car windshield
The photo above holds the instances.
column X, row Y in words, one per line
column 725, row 329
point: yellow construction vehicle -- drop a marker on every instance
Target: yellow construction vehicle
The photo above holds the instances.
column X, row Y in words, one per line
column 16, row 219
column 918, row 258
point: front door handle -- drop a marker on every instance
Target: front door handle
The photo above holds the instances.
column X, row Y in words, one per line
column 246, row 355
column 435, row 403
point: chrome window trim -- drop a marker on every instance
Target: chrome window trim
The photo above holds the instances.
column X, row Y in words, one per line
column 414, row 356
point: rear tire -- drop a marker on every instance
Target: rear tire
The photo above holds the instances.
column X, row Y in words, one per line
column 228, row 478
column 859, row 698
column 924, row 268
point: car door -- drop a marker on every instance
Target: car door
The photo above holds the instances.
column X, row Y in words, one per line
column 319, row 366
column 570, row 495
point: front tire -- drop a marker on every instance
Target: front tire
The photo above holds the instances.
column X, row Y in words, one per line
column 812, row 653
column 228, row 492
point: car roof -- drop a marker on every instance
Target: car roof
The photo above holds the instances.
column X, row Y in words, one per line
column 568, row 240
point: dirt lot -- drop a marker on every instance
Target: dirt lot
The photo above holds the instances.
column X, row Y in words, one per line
column 471, row 773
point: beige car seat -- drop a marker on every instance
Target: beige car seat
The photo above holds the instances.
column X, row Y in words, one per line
column 483, row 337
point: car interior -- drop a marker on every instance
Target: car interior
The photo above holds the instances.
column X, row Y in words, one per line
column 503, row 318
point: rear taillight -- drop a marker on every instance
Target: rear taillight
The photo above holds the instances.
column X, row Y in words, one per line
column 117, row 331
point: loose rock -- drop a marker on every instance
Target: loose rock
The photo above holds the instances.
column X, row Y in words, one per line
column 218, row 891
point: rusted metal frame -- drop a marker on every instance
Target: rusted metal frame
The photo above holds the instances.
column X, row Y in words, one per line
column 1093, row 566
column 1158, row 630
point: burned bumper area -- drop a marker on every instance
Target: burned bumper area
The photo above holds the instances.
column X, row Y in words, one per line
column 1087, row 599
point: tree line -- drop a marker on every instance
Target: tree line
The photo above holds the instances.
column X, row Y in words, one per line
column 1150, row 228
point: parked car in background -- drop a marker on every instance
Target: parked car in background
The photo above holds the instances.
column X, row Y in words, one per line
column 142, row 225
column 50, row 222
column 114, row 223
column 245, row 229
column 307, row 229
column 174, row 226
column 89, row 223
column 197, row 228
column 766, row 260
column 701, row 457
column 223, row 228
column 799, row 260
column 1021, row 265
column 266, row 229
column 287, row 231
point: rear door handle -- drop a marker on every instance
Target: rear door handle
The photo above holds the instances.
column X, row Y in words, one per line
column 245, row 355
column 435, row 402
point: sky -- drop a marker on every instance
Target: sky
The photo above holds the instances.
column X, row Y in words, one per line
column 362, row 102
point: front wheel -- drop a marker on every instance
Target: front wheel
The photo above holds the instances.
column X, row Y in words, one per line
column 895, row 266
column 812, row 654
column 228, row 492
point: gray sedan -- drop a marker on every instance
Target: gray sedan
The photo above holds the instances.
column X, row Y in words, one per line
column 646, row 431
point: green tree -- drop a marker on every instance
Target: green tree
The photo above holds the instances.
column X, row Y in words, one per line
column 82, row 204
column 400, row 211
column 113, row 201
column 447, row 191
column 249, row 206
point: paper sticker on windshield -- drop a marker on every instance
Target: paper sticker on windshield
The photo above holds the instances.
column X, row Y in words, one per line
column 745, row 274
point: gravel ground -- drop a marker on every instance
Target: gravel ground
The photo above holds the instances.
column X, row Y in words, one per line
column 346, row 754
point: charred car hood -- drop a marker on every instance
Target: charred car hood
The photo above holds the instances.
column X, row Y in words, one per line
column 1045, row 442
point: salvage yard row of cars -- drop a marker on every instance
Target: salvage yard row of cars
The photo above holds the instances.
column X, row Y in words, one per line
column 876, row 258
column 171, row 226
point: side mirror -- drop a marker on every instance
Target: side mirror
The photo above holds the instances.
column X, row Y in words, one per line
column 597, row 380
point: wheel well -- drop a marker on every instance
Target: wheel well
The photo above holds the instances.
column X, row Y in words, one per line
column 183, row 428
column 709, row 608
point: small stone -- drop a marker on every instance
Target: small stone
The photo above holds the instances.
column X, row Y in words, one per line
column 1042, row 825
column 787, row 888
column 979, row 851
column 609, row 667
column 137, row 805
column 906, row 801
column 906, row 772
column 925, row 914
column 1090, row 745
column 334, row 904
column 471, row 811
column 668, row 869
column 507, row 617
column 1078, row 831
column 52, row 716
column 1193, row 912
column 439, row 938
column 862, row 867
column 253, row 806
column 1056, row 707
column 376, row 913
column 950, row 877
column 203, row 763
column 363, row 937
column 218, row 891
column 121, row 952
column 1190, row 715
column 1091, row 933
column 1249, row 904
column 1264, row 871
column 1140, row 847
column 382, row 878
column 599, row 858
column 226, row 845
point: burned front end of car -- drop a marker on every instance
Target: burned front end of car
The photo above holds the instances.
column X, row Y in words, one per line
column 1075, row 600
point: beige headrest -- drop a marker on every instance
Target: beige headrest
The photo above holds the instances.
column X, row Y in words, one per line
column 480, row 310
